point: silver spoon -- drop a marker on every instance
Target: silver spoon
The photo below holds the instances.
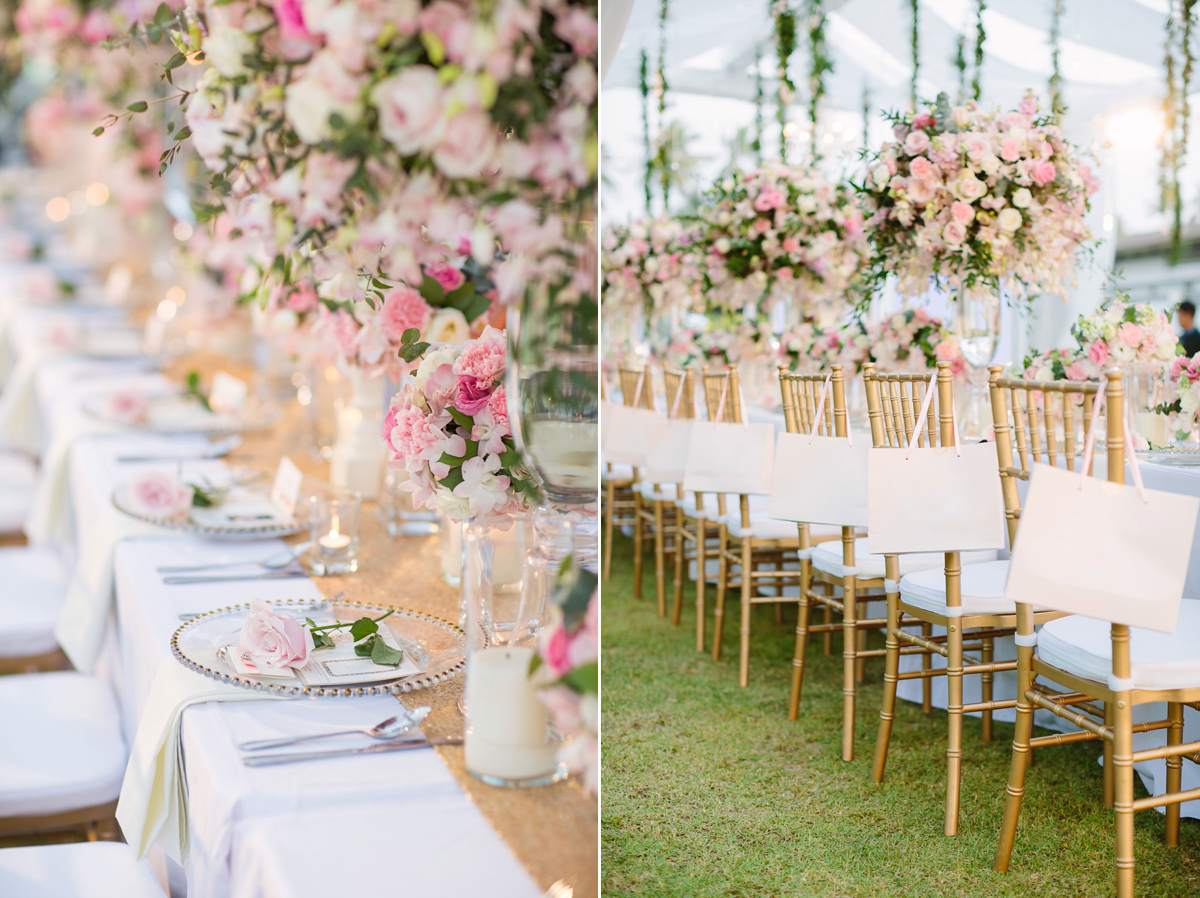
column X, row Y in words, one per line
column 273, row 563
column 387, row 729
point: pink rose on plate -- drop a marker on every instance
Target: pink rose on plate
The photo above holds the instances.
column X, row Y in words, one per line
column 273, row 640
column 159, row 495
column 1098, row 352
column 126, row 406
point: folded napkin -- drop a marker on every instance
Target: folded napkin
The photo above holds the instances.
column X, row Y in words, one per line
column 152, row 809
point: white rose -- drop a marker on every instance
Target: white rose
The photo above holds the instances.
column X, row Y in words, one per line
column 807, row 204
column 1021, row 198
column 225, row 46
column 456, row 508
column 467, row 145
column 284, row 321
column 433, row 360
column 324, row 89
column 722, row 245
column 448, row 326
column 410, row 109
column 1009, row 219
column 990, row 163
column 969, row 188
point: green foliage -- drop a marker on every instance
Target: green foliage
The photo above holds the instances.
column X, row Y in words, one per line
column 785, row 46
column 980, row 37
column 820, row 64
column 192, row 389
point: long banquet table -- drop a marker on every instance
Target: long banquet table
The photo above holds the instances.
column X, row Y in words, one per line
column 405, row 821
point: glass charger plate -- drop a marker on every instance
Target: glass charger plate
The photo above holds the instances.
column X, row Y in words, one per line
column 1178, row 456
column 435, row 646
column 113, row 345
column 177, row 415
column 206, row 521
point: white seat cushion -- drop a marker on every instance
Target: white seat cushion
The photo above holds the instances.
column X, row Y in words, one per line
column 34, row 586
column 62, row 748
column 982, row 587
column 18, row 476
column 76, row 870
column 651, row 492
column 1082, row 646
column 708, row 510
column 827, row 557
column 620, row 472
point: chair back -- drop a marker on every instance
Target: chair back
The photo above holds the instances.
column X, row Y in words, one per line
column 802, row 395
column 681, row 383
column 894, row 401
column 1027, row 416
column 718, row 384
column 629, row 387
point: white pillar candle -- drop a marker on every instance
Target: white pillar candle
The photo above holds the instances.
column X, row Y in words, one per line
column 1153, row 427
column 506, row 734
column 508, row 554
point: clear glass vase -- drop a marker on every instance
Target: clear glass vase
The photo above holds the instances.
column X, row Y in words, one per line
column 977, row 326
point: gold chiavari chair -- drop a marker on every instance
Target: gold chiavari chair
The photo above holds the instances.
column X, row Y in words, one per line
column 762, row 550
column 630, row 379
column 619, row 503
column 801, row 396
column 1104, row 670
column 962, row 592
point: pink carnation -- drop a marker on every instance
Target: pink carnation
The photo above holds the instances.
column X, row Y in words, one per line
column 403, row 308
column 482, row 359
column 449, row 277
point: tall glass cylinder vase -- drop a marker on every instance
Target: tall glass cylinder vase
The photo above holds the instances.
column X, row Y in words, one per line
column 977, row 326
column 1146, row 387
column 553, row 392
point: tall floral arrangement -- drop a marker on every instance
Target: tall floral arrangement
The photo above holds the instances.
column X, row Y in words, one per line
column 784, row 226
column 449, row 429
column 967, row 196
column 911, row 340
column 651, row 265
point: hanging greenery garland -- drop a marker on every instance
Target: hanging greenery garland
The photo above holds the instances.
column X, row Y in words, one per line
column 644, row 85
column 916, row 52
column 819, row 64
column 866, row 114
column 757, row 146
column 1176, row 113
column 664, row 151
column 785, row 45
column 960, row 63
column 1057, row 107
column 980, row 37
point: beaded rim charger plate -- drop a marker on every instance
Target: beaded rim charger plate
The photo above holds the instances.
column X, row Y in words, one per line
column 187, row 524
column 1177, row 456
column 435, row 646
column 172, row 415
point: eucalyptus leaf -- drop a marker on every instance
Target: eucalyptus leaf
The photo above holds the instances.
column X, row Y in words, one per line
column 362, row 628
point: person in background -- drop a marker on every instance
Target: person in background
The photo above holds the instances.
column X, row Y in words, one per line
column 1190, row 338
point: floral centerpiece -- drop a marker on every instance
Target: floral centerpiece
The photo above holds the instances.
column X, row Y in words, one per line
column 913, row 340
column 569, row 659
column 1060, row 364
column 786, row 227
column 1185, row 378
column 449, row 429
column 1122, row 332
column 651, row 265
column 966, row 197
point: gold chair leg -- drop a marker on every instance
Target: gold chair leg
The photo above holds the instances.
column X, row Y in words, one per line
column 849, row 664
column 801, row 641
column 1107, row 770
column 985, row 687
column 680, row 561
column 1015, row 790
column 954, row 703
column 722, row 587
column 827, row 588
column 926, row 682
column 1174, row 771
column 747, row 595
column 860, row 668
column 637, row 545
column 1123, row 803
column 891, row 674
column 701, row 579
column 610, row 492
column 660, row 559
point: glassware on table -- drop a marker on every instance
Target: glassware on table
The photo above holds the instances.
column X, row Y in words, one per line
column 335, row 516
column 509, row 542
column 977, row 324
column 396, row 511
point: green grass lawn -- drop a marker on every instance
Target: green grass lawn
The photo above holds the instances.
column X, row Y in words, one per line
column 710, row 790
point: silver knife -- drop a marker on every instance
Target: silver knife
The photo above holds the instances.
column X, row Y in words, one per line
column 227, row 578
column 379, row 748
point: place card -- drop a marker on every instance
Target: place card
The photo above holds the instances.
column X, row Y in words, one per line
column 228, row 393
column 287, row 486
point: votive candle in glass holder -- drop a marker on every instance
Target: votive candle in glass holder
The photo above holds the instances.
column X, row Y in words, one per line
column 334, row 517
column 507, row 741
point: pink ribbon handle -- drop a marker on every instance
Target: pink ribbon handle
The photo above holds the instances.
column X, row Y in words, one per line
column 926, row 405
column 820, row 409
column 1089, row 444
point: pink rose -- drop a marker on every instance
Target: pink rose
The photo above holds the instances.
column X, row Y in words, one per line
column 963, row 213
column 126, row 406
column 921, row 168
column 1075, row 371
column 159, row 495
column 467, row 146
column 1098, row 353
column 403, row 308
column 273, row 640
column 290, row 14
column 471, row 397
column 924, row 120
column 449, row 277
column 303, row 298
column 410, row 109
column 786, row 274
column 954, row 233
column 762, row 225
column 790, row 245
column 916, row 143
column 555, row 648
column 1130, row 334
column 1042, row 172
column 1010, row 149
column 768, row 199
